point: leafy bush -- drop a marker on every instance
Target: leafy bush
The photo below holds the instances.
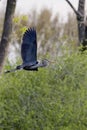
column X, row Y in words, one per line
column 54, row 98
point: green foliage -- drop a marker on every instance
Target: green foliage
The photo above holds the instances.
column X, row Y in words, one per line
column 54, row 98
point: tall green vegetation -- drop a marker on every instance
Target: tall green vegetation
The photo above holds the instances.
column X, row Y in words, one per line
column 54, row 98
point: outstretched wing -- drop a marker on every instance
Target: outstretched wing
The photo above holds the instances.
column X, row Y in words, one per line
column 29, row 47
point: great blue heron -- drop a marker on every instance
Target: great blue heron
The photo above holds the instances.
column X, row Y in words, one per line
column 29, row 52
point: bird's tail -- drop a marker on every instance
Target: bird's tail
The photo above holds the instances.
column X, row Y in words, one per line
column 15, row 69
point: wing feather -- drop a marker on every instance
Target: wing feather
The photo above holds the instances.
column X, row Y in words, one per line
column 29, row 47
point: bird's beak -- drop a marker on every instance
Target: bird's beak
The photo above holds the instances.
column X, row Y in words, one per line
column 51, row 61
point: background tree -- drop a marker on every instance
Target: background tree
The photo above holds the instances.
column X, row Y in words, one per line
column 7, row 29
column 52, row 33
column 80, row 14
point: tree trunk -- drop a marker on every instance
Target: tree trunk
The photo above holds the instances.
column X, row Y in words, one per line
column 80, row 19
column 7, row 29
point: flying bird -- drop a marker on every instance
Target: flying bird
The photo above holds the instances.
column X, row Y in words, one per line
column 29, row 53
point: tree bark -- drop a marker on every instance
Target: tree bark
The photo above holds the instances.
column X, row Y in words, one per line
column 80, row 19
column 7, row 29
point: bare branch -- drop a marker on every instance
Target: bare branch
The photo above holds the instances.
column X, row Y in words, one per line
column 76, row 12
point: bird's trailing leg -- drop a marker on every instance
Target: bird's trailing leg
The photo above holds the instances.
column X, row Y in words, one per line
column 8, row 71
column 13, row 70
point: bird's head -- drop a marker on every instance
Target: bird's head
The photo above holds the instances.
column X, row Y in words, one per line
column 46, row 62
